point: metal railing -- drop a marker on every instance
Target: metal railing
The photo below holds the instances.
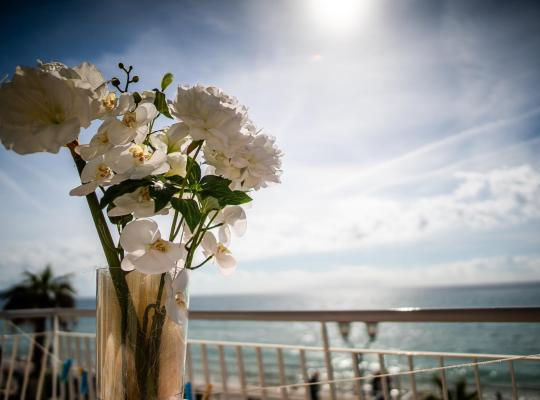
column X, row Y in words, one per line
column 237, row 370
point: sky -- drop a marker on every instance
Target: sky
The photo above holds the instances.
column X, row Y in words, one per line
column 410, row 133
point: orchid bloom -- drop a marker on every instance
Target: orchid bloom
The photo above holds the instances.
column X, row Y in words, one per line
column 221, row 254
column 134, row 124
column 231, row 217
column 139, row 203
column 177, row 297
column 136, row 161
column 146, row 251
column 95, row 173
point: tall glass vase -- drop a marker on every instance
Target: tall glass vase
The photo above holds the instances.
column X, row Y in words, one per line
column 141, row 343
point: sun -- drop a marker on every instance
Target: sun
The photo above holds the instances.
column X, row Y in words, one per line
column 338, row 16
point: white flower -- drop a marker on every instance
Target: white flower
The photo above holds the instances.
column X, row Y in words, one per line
column 136, row 161
column 41, row 112
column 101, row 142
column 146, row 251
column 95, row 173
column 211, row 115
column 134, row 124
column 251, row 167
column 177, row 163
column 171, row 140
column 85, row 76
column 139, row 203
column 177, row 297
column 231, row 217
column 222, row 255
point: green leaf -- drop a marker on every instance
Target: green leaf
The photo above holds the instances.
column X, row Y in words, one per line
column 166, row 80
column 176, row 179
column 215, row 186
column 189, row 210
column 122, row 188
column 236, row 197
column 194, row 171
column 161, row 104
column 161, row 195
column 210, row 203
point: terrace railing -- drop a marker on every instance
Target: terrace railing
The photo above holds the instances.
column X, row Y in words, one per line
column 240, row 370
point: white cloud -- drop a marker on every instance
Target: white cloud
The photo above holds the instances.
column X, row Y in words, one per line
column 342, row 279
column 319, row 222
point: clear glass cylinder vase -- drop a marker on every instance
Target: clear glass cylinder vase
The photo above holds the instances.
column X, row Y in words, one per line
column 140, row 342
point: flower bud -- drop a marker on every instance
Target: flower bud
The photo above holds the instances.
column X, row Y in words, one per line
column 120, row 65
column 135, row 79
column 115, row 81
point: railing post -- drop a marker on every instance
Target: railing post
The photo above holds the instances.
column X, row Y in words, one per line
column 55, row 360
column 412, row 376
column 384, row 380
column 328, row 360
column 514, row 382
column 477, row 380
column 357, row 382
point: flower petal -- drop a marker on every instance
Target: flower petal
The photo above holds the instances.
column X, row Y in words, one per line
column 226, row 263
column 154, row 262
column 127, row 262
column 138, row 234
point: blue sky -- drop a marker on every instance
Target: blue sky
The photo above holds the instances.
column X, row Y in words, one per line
column 410, row 131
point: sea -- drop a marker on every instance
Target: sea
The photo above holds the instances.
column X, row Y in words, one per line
column 492, row 338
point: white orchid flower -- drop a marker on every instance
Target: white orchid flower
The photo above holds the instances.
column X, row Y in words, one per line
column 139, row 203
column 95, row 173
column 103, row 140
column 221, row 254
column 172, row 139
column 178, row 163
column 146, row 251
column 177, row 297
column 136, row 161
column 134, row 124
column 231, row 217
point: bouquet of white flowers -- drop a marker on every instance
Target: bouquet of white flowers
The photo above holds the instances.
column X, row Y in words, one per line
column 199, row 169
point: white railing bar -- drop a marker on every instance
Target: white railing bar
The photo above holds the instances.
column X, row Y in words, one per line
column 356, row 370
column 282, row 381
column 260, row 369
column 80, row 364
column 41, row 379
column 443, row 379
column 77, row 334
column 367, row 351
column 11, row 367
column 224, row 373
column 384, row 381
column 56, row 352
column 61, row 356
column 241, row 372
column 477, row 380
column 29, row 356
column 513, row 377
column 328, row 360
column 303, row 367
column 491, row 314
column 204, row 361
column 89, row 369
column 70, row 377
column 412, row 377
